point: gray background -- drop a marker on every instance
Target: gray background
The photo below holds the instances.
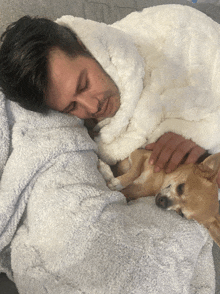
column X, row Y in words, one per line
column 107, row 11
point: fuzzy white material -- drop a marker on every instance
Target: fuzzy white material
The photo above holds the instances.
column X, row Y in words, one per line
column 180, row 50
column 75, row 235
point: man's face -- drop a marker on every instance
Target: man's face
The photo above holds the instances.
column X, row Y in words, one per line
column 79, row 86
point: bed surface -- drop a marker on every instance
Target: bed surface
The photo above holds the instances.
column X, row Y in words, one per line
column 107, row 11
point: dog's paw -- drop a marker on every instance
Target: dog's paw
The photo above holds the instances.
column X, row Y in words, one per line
column 115, row 184
column 105, row 170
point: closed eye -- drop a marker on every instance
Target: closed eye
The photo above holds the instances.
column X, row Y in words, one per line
column 180, row 189
column 83, row 83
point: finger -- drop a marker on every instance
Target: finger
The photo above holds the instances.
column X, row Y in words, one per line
column 150, row 146
column 194, row 155
column 168, row 151
column 159, row 145
column 179, row 154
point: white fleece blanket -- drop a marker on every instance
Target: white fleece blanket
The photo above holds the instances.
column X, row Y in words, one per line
column 75, row 235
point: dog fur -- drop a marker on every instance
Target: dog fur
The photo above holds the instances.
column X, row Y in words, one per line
column 191, row 190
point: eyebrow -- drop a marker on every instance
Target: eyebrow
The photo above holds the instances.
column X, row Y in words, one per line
column 83, row 72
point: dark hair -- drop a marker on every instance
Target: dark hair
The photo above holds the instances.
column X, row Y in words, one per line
column 24, row 52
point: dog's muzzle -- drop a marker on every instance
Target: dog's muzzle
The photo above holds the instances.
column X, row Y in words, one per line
column 162, row 201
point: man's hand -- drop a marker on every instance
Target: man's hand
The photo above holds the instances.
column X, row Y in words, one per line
column 171, row 149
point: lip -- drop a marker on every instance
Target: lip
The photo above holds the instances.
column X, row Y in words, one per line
column 105, row 111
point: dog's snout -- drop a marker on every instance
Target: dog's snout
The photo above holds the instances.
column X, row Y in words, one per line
column 161, row 201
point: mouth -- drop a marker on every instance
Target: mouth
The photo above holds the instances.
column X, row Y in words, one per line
column 104, row 109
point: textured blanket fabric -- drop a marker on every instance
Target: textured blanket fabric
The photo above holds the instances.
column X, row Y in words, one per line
column 75, row 235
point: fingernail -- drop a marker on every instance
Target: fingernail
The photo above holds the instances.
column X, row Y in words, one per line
column 151, row 162
column 157, row 169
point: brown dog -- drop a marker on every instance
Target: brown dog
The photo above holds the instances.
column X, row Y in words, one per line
column 191, row 190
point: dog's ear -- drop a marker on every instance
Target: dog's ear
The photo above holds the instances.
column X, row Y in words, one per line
column 214, row 229
column 210, row 167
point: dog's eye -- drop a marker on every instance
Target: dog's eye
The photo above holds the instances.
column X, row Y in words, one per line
column 180, row 189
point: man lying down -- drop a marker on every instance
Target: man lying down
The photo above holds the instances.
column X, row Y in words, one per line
column 151, row 77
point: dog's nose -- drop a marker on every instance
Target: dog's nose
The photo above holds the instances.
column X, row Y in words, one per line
column 161, row 201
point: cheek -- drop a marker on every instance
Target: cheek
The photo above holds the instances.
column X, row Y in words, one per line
column 97, row 79
column 80, row 113
column 101, row 81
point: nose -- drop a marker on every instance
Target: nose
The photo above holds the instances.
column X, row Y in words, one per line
column 89, row 103
column 161, row 201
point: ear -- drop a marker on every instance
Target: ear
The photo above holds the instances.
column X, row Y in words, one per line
column 210, row 167
column 214, row 229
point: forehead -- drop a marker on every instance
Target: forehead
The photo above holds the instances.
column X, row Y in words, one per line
column 180, row 175
column 63, row 73
column 59, row 63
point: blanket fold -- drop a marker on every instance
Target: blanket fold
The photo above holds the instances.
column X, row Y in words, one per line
column 31, row 155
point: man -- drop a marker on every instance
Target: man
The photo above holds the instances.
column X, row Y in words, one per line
column 74, row 234
column 66, row 78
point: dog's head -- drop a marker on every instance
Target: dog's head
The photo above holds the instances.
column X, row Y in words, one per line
column 192, row 192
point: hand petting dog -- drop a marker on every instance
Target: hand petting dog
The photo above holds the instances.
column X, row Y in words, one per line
column 191, row 190
column 171, row 150
column 180, row 174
